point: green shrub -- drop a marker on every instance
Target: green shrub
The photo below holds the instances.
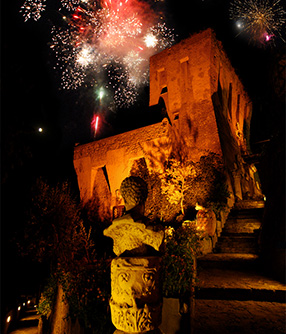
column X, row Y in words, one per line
column 87, row 291
column 48, row 297
column 179, row 260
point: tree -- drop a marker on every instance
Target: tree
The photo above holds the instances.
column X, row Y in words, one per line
column 174, row 181
column 55, row 230
column 157, row 206
column 187, row 182
column 56, row 233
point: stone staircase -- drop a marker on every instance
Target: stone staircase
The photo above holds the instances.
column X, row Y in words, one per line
column 234, row 291
column 234, row 271
column 241, row 231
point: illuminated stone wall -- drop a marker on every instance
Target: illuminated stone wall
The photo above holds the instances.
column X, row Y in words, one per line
column 206, row 104
column 105, row 163
column 187, row 76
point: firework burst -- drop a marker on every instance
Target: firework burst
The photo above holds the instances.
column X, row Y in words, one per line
column 107, row 41
column 262, row 20
column 32, row 9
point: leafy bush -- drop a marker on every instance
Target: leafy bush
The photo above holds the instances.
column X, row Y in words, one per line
column 55, row 230
column 57, row 233
column 182, row 184
column 157, row 206
column 48, row 297
column 87, row 291
column 179, row 264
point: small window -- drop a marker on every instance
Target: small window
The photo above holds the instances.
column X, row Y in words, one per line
column 176, row 117
column 162, row 77
column 164, row 90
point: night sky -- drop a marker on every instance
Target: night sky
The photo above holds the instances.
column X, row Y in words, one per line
column 31, row 99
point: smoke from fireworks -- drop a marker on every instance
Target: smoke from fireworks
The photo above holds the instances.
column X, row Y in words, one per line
column 262, row 20
column 107, row 41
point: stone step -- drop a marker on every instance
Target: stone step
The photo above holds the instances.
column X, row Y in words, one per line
column 237, row 243
column 228, row 261
column 246, row 213
column 240, row 225
column 217, row 282
column 249, row 205
column 265, row 295
column 235, row 250
column 251, row 235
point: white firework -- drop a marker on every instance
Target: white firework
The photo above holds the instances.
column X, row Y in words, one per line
column 32, row 9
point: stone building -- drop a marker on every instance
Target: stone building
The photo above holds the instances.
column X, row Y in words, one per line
column 202, row 100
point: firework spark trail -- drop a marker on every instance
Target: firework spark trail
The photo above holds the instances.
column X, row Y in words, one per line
column 263, row 20
column 109, row 41
column 32, row 9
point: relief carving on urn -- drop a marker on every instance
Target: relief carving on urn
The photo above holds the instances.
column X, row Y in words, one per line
column 136, row 298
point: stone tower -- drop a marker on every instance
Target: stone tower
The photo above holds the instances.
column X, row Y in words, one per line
column 187, row 78
column 205, row 104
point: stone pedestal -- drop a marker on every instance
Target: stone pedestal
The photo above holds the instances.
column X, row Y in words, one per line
column 136, row 296
column 136, row 302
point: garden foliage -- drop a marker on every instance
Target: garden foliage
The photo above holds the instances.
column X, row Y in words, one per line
column 179, row 260
column 56, row 233
column 181, row 184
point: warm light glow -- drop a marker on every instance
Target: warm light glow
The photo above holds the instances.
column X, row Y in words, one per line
column 19, row 308
column 40, row 130
column 200, row 227
column 8, row 319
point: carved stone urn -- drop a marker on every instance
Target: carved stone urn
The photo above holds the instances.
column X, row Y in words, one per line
column 136, row 298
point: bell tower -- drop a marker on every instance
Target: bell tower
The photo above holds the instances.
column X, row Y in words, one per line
column 180, row 76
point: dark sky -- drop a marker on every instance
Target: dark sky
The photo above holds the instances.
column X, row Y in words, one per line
column 30, row 85
column 31, row 99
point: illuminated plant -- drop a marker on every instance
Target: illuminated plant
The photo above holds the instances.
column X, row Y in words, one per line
column 186, row 183
column 175, row 181
column 157, row 207
column 179, row 264
column 47, row 298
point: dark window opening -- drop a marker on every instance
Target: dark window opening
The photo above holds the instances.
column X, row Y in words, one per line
column 164, row 90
